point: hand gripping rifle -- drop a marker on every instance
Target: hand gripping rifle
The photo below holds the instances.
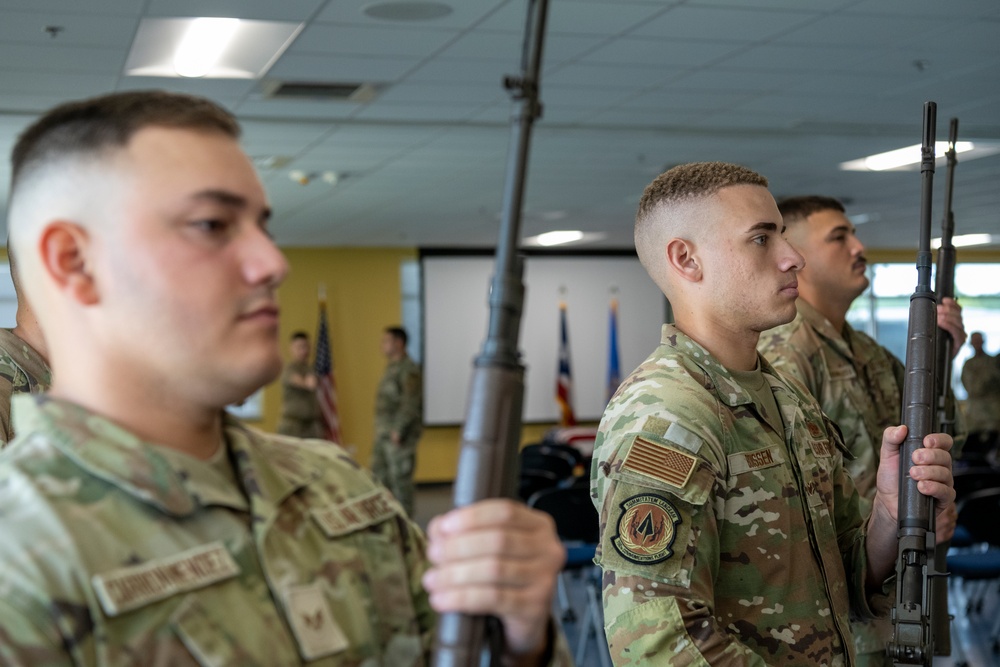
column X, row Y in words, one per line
column 912, row 640
column 487, row 464
column 945, row 287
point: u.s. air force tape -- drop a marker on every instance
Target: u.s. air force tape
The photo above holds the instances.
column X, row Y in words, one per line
column 647, row 528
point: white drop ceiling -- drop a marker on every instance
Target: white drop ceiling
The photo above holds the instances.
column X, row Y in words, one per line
column 790, row 88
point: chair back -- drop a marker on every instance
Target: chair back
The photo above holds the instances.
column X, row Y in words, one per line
column 978, row 513
column 970, row 480
column 572, row 509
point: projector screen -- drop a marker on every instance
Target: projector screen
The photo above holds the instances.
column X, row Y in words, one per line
column 456, row 314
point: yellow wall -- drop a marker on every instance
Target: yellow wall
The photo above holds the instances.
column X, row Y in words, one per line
column 363, row 297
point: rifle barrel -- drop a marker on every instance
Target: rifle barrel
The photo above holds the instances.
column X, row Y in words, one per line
column 912, row 640
column 491, row 435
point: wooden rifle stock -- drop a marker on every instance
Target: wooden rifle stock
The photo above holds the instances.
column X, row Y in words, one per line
column 945, row 287
column 912, row 639
column 487, row 465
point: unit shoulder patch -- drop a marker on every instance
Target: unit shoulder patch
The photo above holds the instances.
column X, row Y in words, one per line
column 647, row 528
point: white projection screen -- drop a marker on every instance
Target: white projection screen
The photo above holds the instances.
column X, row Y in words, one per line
column 456, row 312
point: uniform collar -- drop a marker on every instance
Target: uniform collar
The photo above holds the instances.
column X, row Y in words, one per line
column 721, row 381
column 172, row 482
column 27, row 357
column 824, row 328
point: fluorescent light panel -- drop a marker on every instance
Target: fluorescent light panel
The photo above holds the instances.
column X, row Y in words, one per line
column 563, row 237
column 965, row 240
column 907, row 158
column 214, row 48
column 204, row 42
column 559, row 237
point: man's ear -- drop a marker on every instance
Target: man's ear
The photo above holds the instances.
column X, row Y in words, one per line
column 682, row 259
column 65, row 248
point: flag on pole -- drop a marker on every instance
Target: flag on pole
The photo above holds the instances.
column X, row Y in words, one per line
column 614, row 370
column 564, row 381
column 326, row 388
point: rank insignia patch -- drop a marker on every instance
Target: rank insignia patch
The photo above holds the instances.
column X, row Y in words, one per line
column 646, row 529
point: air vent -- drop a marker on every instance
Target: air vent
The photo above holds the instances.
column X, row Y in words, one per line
column 306, row 90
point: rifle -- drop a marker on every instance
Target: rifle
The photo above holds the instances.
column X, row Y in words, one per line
column 487, row 464
column 912, row 640
column 945, row 287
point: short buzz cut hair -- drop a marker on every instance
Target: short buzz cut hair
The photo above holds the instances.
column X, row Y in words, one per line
column 95, row 125
column 399, row 333
column 299, row 335
column 693, row 181
column 794, row 209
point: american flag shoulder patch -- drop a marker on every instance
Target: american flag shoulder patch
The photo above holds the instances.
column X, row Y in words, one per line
column 660, row 462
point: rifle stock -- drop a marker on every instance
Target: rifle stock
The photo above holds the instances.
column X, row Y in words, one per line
column 945, row 287
column 487, row 464
column 912, row 637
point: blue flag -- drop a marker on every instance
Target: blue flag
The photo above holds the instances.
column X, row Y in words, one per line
column 614, row 370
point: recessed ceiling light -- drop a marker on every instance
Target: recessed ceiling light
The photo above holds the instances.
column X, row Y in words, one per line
column 908, row 158
column 407, row 11
column 965, row 240
column 559, row 237
column 862, row 218
column 563, row 237
column 204, row 42
column 208, row 47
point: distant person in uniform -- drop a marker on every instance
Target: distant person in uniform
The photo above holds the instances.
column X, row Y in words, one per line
column 23, row 366
column 300, row 412
column 398, row 418
column 981, row 379
column 141, row 524
column 731, row 532
column 857, row 382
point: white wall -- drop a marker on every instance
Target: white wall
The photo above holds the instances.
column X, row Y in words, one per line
column 456, row 313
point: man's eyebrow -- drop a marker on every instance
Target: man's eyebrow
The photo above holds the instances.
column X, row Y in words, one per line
column 763, row 226
column 840, row 228
column 221, row 197
column 230, row 199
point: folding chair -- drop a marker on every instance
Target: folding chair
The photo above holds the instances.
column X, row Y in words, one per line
column 578, row 526
column 977, row 567
column 542, row 467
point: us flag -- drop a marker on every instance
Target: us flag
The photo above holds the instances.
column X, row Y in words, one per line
column 564, row 381
column 326, row 389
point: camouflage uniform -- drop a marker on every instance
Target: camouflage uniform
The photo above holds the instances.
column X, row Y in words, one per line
column 300, row 414
column 22, row 370
column 399, row 409
column 724, row 540
column 118, row 552
column 981, row 379
column 858, row 383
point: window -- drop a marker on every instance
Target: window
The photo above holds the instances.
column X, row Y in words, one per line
column 883, row 310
